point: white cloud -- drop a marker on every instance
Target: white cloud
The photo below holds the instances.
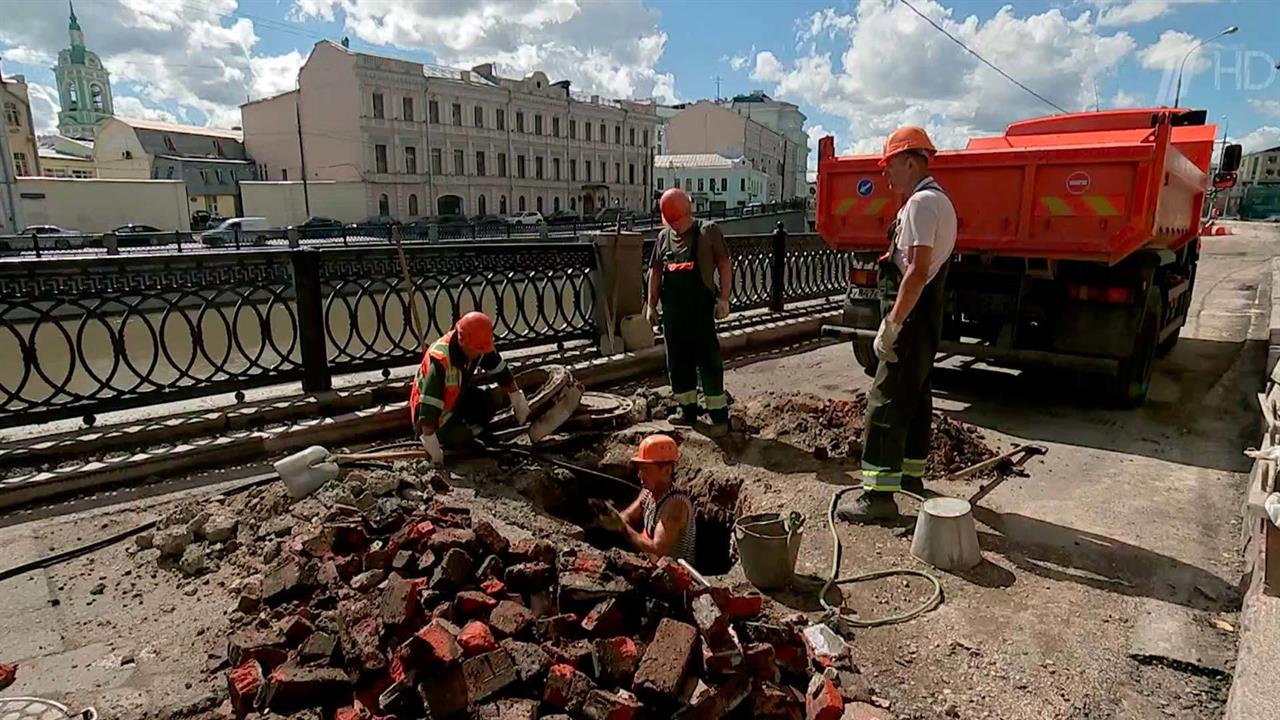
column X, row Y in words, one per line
column 1168, row 52
column 1123, row 99
column 891, row 68
column 44, row 107
column 1135, row 12
column 274, row 74
column 610, row 48
column 132, row 107
column 738, row 62
column 1264, row 138
column 1266, row 107
column 826, row 22
column 29, row 56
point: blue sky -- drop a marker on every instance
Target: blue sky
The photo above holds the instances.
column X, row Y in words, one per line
column 857, row 68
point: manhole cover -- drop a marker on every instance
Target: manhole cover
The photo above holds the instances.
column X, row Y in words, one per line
column 30, row 708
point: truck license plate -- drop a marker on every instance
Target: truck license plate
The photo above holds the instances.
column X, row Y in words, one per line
column 864, row 293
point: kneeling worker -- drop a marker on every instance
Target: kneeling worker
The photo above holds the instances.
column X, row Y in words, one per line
column 661, row 520
column 446, row 402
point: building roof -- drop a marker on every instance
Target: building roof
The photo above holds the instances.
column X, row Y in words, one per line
column 708, row 161
column 175, row 128
column 451, row 73
column 51, row 154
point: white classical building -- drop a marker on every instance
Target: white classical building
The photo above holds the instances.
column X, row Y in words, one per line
column 713, row 181
column 427, row 140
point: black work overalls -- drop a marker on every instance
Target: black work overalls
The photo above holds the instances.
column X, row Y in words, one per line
column 689, row 327
column 900, row 406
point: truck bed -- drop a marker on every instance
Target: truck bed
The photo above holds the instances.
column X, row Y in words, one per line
column 1094, row 187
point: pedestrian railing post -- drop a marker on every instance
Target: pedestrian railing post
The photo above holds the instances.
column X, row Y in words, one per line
column 316, row 376
column 111, row 244
column 778, row 269
column 292, row 236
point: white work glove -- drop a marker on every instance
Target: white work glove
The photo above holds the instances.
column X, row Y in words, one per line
column 519, row 406
column 722, row 310
column 886, row 336
column 651, row 314
column 431, row 444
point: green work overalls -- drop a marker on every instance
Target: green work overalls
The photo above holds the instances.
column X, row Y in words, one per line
column 900, row 406
column 689, row 327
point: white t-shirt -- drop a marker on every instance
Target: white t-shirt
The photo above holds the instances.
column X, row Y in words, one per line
column 926, row 218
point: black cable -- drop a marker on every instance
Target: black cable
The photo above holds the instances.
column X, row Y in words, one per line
column 984, row 61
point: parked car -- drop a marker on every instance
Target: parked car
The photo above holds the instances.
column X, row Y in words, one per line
column 249, row 230
column 488, row 220
column 612, row 215
column 528, row 217
column 134, row 235
column 318, row 228
column 564, row 216
column 60, row 238
column 385, row 220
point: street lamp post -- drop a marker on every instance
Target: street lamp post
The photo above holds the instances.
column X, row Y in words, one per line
column 1178, row 93
column 1226, row 123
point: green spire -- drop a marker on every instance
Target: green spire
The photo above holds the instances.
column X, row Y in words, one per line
column 75, row 24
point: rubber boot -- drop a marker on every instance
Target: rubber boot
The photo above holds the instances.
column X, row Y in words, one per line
column 719, row 426
column 686, row 416
column 870, row 506
column 913, row 485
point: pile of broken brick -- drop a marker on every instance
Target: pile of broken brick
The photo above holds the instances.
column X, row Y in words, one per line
column 433, row 613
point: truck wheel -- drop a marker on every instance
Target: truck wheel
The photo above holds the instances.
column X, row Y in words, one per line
column 865, row 354
column 1131, row 384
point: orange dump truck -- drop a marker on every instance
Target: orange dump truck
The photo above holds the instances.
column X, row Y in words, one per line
column 1077, row 246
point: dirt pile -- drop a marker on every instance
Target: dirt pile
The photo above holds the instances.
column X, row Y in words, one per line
column 831, row 428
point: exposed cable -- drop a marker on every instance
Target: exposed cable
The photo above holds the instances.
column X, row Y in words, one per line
column 983, row 60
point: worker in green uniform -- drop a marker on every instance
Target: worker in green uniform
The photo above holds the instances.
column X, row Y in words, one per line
column 912, row 279
column 687, row 257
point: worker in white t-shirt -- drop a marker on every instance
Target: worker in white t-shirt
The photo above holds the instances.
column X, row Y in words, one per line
column 913, row 275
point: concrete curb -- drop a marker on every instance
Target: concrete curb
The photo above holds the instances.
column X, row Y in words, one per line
column 247, row 447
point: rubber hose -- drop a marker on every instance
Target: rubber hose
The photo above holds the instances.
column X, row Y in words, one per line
column 935, row 598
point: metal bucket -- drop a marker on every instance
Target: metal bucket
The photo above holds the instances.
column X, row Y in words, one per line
column 767, row 546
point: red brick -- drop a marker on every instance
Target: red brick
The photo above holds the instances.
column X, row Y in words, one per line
column 492, row 568
column 294, row 687
column 489, row 538
column 508, row 709
column 792, row 658
column 244, row 686
column 348, row 566
column 454, row 570
column 530, row 550
column 530, row 660
column 721, row 701
column 529, row 577
column 604, row 620
column 399, row 601
column 400, row 699
column 510, row 619
column 670, row 579
column 739, row 606
column 318, row 648
column 268, row 647
column 444, row 693
column 776, row 702
column 567, row 688
column 286, row 580
column 426, row 561
column 317, row 542
column 377, row 557
column 295, row 628
column 348, row 538
column 435, row 645
column 419, row 533
column 611, row 705
column 823, row 700
column 362, row 643
column 404, row 560
column 711, row 620
column 581, row 591
column 724, row 656
column 864, row 711
column 450, row 516
column 662, row 669
column 591, row 562
column 488, row 674
column 615, row 659
column 349, row 712
column 470, row 604
column 760, row 661
column 557, row 627
column 576, row 654
column 493, row 588
column 476, row 638
column 446, row 539
column 636, row 568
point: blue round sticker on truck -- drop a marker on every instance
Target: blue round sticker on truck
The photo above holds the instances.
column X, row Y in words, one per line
column 865, row 186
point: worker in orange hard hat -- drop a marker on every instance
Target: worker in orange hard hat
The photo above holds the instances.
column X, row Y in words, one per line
column 913, row 276
column 687, row 258
column 447, row 402
column 660, row 521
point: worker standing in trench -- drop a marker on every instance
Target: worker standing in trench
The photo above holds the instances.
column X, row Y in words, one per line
column 447, row 405
column 660, row 521
column 913, row 274
column 686, row 257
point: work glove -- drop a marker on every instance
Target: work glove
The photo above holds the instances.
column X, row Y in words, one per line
column 886, row 336
column 431, row 444
column 519, row 406
column 722, row 310
column 651, row 314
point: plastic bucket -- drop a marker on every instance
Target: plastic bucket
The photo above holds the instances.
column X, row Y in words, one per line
column 305, row 471
column 768, row 544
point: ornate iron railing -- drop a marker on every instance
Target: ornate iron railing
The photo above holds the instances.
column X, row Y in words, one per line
column 813, row 270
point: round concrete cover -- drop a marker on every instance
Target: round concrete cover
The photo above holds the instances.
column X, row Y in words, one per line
column 30, row 708
column 947, row 507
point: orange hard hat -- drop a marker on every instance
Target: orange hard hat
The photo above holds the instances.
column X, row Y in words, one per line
column 675, row 208
column 904, row 139
column 657, row 449
column 475, row 332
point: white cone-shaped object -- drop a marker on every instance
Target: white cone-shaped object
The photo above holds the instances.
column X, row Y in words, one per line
column 946, row 537
column 305, row 471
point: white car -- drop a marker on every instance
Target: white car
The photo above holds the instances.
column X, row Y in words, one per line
column 48, row 236
column 528, row 217
column 252, row 231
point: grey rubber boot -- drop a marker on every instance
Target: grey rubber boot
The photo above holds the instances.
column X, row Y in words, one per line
column 870, row 506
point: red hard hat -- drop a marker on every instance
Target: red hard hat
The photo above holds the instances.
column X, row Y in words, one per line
column 676, row 209
column 657, row 449
column 475, row 332
column 904, row 139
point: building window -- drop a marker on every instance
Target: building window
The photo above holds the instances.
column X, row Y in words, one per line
column 586, row 131
column 617, row 172
column 478, row 116
column 573, row 129
column 168, row 173
column 459, row 163
column 480, row 164
column 377, row 105
column 520, row 204
column 573, row 202
column 457, row 113
column 406, row 107
column 631, row 137
column 284, row 174
column 646, row 138
column 218, row 174
column 724, row 184
column 631, row 173
column 555, row 129
column 502, row 201
column 380, row 158
column 644, row 174
column 520, row 167
column 676, row 183
column 411, row 162
column 573, row 168
column 555, row 204
column 384, row 204
column 433, row 111
column 537, row 167
column 502, row 166
column 699, row 184
column 537, row 124
column 501, row 119
column 482, row 207
column 604, row 137
column 586, row 169
column 617, row 134
column 20, row 166
column 742, row 185
column 539, row 203
column 217, row 148
column 73, row 98
column 555, row 169
column 437, row 162
column 204, row 176
column 168, row 144
column 413, row 205
column 11, row 115
column 659, row 183
column 519, row 121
